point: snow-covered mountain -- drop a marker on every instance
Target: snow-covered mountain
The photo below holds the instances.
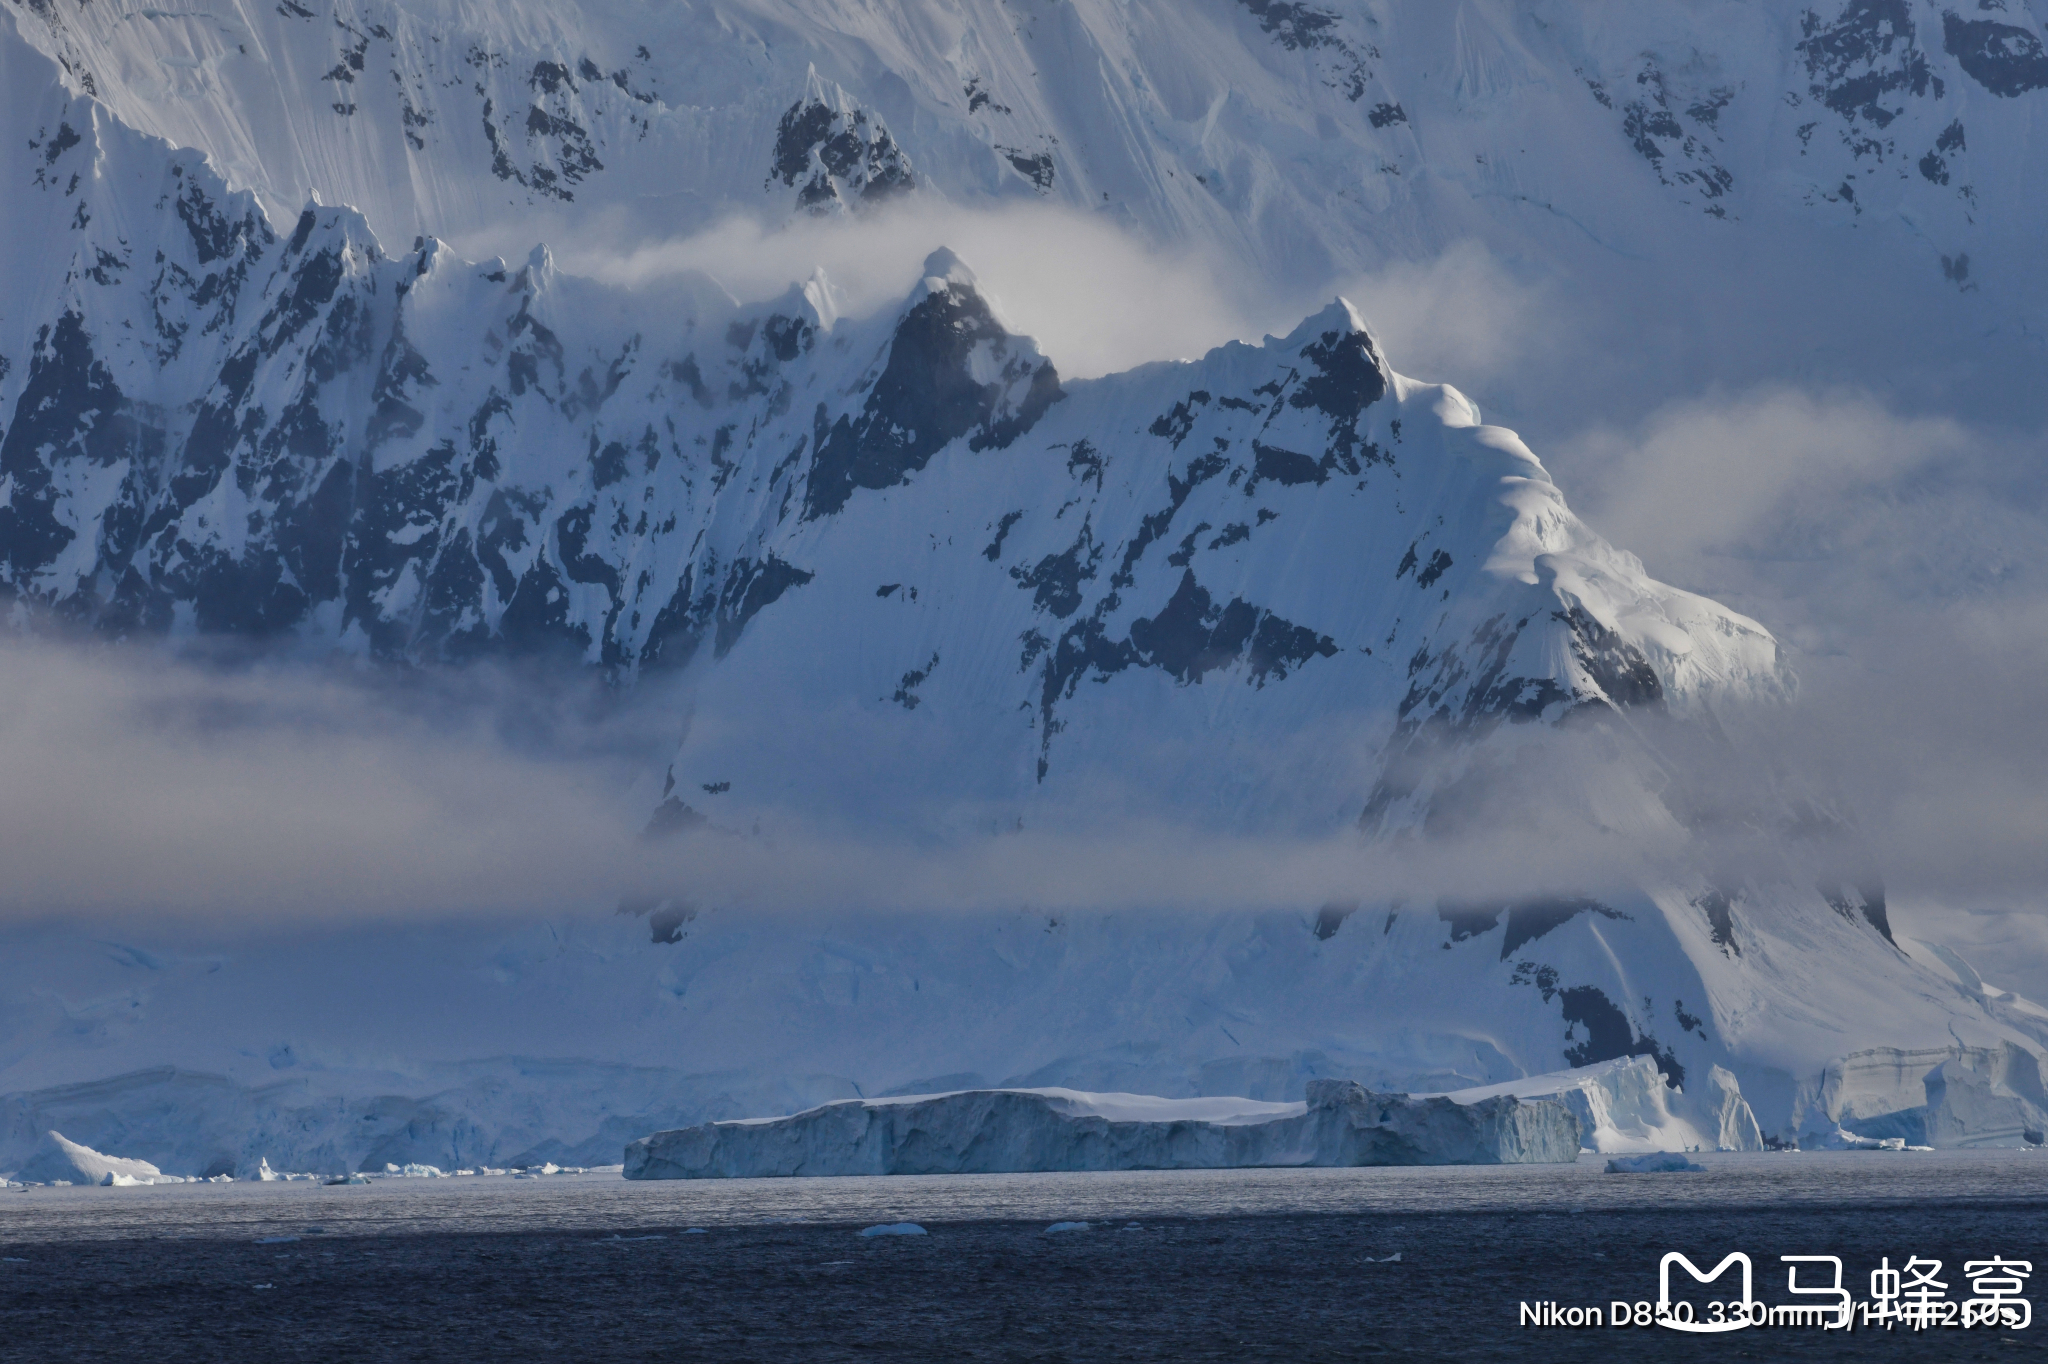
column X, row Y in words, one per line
column 914, row 581
column 1842, row 170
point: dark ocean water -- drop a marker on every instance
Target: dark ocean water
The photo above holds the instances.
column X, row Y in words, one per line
column 1210, row 1265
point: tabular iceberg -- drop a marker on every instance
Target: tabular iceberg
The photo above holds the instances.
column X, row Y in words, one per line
column 1003, row 1131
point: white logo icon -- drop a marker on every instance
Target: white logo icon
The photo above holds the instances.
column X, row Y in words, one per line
column 1737, row 1314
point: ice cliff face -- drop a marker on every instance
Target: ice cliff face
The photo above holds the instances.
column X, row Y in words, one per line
column 1007, row 1131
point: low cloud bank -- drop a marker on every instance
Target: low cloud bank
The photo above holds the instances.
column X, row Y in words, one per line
column 139, row 783
column 1096, row 297
column 1904, row 561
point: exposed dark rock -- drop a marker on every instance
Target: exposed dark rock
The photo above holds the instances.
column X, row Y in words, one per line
column 1033, row 166
column 2006, row 60
column 925, row 399
column 837, row 157
column 1191, row 636
column 1331, row 918
column 1719, row 907
column 1301, row 27
column 1055, row 581
column 1527, row 920
column 1608, row 1035
column 750, row 587
column 1865, row 60
column 905, row 694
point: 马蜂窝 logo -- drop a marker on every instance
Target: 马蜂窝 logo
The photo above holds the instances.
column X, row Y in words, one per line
column 1731, row 1318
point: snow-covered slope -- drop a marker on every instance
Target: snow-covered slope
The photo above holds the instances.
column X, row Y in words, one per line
column 918, row 585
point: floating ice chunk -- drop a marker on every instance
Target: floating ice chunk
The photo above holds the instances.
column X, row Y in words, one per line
column 410, row 1171
column 1066, row 1226
column 1393, row 1259
column 894, row 1229
column 262, row 1285
column 275, row 1240
column 695, row 1231
column 1656, row 1163
column 59, row 1161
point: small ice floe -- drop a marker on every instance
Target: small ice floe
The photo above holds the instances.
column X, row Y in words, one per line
column 12, row 1260
column 615, row 1237
column 1066, row 1226
column 1132, row 1226
column 350, row 1178
column 1393, row 1259
column 275, row 1240
column 1656, row 1163
column 695, row 1231
column 894, row 1229
column 412, row 1171
column 262, row 1285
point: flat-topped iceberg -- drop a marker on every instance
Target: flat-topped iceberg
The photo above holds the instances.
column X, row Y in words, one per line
column 997, row 1131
